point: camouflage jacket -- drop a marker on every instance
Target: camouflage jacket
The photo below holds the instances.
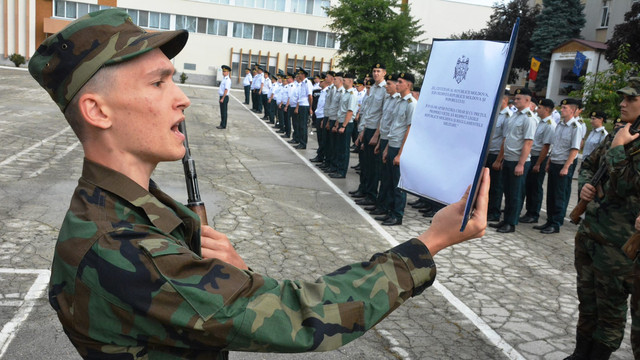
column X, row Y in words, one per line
column 124, row 283
column 610, row 219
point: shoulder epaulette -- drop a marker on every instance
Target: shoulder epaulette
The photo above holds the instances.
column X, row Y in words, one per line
column 549, row 121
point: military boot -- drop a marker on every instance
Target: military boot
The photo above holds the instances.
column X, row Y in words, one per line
column 600, row 351
column 583, row 349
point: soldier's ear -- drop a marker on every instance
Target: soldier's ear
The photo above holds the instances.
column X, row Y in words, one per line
column 94, row 110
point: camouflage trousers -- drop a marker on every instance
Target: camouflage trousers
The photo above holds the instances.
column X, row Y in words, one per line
column 604, row 282
column 635, row 311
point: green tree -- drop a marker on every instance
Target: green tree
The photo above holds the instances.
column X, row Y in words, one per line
column 499, row 28
column 559, row 21
column 376, row 31
column 626, row 33
column 599, row 90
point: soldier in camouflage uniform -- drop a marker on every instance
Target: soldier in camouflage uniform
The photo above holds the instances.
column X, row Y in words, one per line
column 125, row 283
column 604, row 272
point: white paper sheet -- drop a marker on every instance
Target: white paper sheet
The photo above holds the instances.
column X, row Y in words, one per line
column 451, row 120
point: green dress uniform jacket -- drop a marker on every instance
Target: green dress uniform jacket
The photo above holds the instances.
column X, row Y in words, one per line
column 125, row 284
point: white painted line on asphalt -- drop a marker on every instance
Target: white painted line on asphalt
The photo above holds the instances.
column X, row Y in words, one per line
column 491, row 334
column 13, row 158
column 39, row 286
column 55, row 159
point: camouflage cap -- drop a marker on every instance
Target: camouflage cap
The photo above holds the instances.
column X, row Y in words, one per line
column 632, row 88
column 65, row 61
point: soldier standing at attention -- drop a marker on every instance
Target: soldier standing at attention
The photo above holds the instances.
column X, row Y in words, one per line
column 344, row 125
column 292, row 104
column 605, row 275
column 303, row 110
column 256, row 88
column 566, row 143
column 370, row 118
column 318, row 114
column 331, row 114
column 515, row 158
column 124, row 282
column 397, row 136
column 542, row 141
column 597, row 134
column 327, row 92
column 381, row 208
column 497, row 138
column 225, row 85
column 246, row 83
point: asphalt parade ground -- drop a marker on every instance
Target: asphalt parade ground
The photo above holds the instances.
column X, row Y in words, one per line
column 505, row 296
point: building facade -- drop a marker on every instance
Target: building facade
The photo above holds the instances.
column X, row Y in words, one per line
column 277, row 34
column 601, row 18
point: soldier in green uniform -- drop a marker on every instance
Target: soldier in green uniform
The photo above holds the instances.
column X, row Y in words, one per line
column 605, row 277
column 124, row 281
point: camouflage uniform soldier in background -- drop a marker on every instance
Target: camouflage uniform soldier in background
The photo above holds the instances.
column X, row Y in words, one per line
column 604, row 272
column 124, row 282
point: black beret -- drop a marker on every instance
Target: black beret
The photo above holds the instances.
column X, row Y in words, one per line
column 289, row 75
column 506, row 92
column 225, row 67
column 416, row 88
column 599, row 114
column 378, row 66
column 339, row 74
column 369, row 82
column 303, row 71
column 331, row 72
column 546, row 103
column 349, row 76
column 570, row 101
column 523, row 91
column 391, row 77
column 407, row 76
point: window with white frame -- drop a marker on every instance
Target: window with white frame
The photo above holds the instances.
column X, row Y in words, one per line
column 272, row 33
column 186, row 22
column 74, row 10
column 604, row 20
column 243, row 30
column 297, row 36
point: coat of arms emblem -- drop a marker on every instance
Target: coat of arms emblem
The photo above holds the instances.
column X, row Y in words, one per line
column 462, row 66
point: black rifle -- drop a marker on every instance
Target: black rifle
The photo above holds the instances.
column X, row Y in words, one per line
column 598, row 179
column 194, row 202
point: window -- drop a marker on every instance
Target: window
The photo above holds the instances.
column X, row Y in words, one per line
column 134, row 15
column 326, row 40
column 143, row 18
column 59, row 8
column 414, row 47
column 186, row 22
column 83, row 9
column 158, row 20
column 331, row 41
column 71, row 10
column 202, row 25
column 272, row 33
column 243, row 30
column 217, row 27
column 604, row 21
column 297, row 36
column 257, row 32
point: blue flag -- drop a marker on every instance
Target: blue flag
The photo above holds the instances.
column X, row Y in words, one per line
column 577, row 65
